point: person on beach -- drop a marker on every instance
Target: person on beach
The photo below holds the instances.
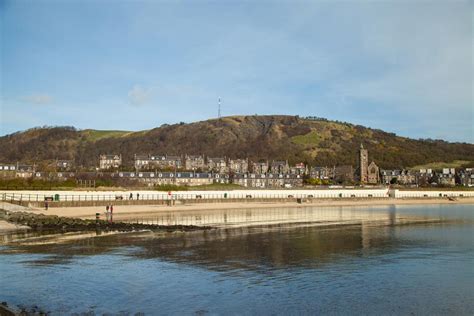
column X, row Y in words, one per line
column 46, row 205
column 107, row 215
column 111, row 213
column 138, row 196
column 131, row 196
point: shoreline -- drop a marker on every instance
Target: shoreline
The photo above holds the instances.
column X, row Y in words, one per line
column 127, row 211
column 6, row 226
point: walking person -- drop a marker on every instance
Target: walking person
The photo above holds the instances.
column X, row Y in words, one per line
column 138, row 196
column 111, row 213
column 131, row 196
column 107, row 215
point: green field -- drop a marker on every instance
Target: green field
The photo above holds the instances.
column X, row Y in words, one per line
column 95, row 135
column 312, row 138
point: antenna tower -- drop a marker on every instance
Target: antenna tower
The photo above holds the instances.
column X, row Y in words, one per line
column 219, row 108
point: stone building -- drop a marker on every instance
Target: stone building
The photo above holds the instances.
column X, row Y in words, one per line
column 193, row 162
column 24, row 171
column 174, row 178
column 269, row 180
column 373, row 175
column 368, row 173
column 64, row 165
column 173, row 162
column 404, row 177
column 299, row 168
column 280, row 166
column 110, row 161
column 158, row 162
column 260, row 167
column 363, row 164
column 425, row 177
column 447, row 177
column 217, row 164
column 465, row 177
column 344, row 174
column 239, row 165
column 323, row 173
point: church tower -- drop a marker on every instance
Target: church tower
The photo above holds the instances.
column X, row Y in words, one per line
column 363, row 164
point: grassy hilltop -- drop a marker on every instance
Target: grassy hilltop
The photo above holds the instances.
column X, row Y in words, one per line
column 315, row 141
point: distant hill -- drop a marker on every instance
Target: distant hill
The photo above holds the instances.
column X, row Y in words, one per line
column 314, row 141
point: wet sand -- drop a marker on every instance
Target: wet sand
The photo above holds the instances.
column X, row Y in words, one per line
column 125, row 212
column 6, row 226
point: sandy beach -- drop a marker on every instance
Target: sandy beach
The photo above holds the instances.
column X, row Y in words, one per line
column 132, row 211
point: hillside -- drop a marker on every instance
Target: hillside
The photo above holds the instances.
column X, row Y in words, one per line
column 315, row 141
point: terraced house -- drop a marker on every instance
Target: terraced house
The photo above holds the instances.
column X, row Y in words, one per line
column 110, row 161
column 270, row 180
column 239, row 165
column 280, row 166
column 260, row 167
column 175, row 178
column 217, row 164
column 403, row 177
column 194, row 162
column 158, row 162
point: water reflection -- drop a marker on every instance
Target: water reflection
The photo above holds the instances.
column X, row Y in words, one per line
column 278, row 237
column 228, row 249
column 271, row 216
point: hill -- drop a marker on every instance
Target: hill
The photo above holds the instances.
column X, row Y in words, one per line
column 315, row 141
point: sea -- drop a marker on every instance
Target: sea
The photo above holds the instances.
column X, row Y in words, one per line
column 378, row 260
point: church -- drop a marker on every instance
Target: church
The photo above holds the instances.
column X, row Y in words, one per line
column 368, row 173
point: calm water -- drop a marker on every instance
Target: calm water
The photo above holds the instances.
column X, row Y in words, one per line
column 389, row 266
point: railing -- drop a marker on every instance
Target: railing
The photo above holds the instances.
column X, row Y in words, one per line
column 40, row 197
column 181, row 196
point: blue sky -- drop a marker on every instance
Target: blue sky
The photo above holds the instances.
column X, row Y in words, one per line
column 402, row 66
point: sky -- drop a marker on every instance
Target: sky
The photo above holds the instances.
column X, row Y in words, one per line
column 400, row 66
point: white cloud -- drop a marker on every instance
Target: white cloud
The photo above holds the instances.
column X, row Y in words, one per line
column 38, row 98
column 139, row 95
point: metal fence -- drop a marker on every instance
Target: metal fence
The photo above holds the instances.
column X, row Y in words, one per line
column 64, row 197
column 183, row 196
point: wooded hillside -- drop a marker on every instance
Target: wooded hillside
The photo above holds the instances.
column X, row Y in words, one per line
column 314, row 141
